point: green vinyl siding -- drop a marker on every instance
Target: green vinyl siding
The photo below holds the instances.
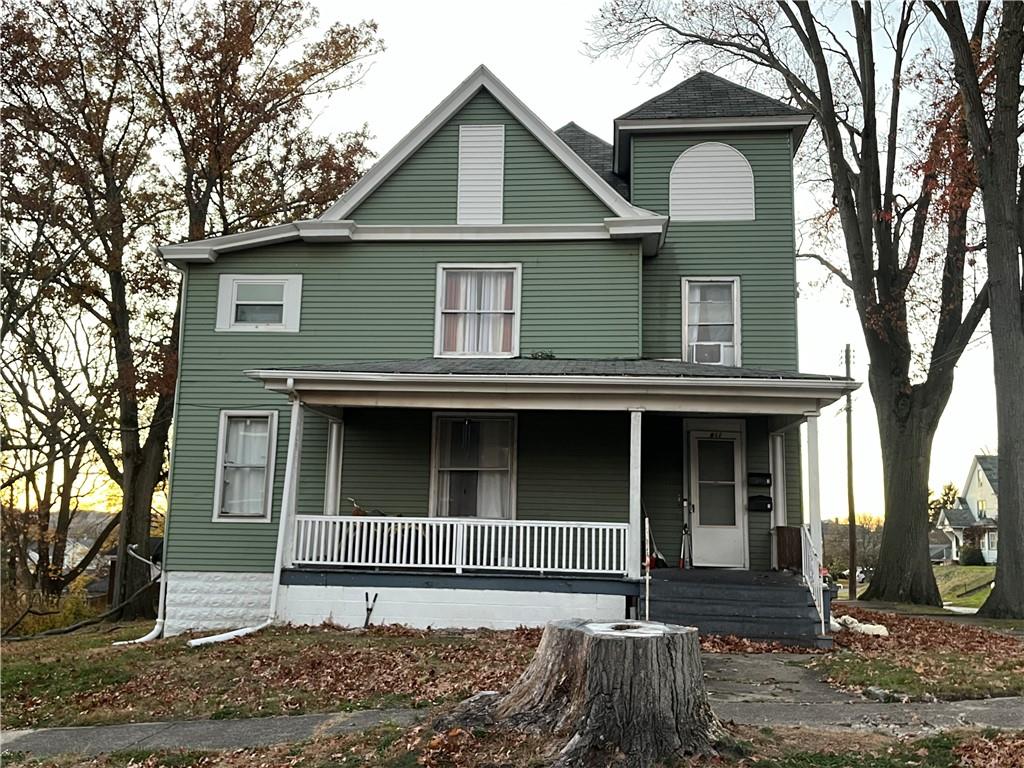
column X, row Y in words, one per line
column 538, row 188
column 760, row 252
column 573, row 466
column 386, row 460
column 661, row 481
column 361, row 301
column 759, row 524
column 794, row 476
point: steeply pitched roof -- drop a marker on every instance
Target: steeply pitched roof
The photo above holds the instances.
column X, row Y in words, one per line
column 556, row 367
column 481, row 77
column 595, row 152
column 959, row 516
column 990, row 466
column 706, row 95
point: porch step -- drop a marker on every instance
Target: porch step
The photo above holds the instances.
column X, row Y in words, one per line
column 754, row 606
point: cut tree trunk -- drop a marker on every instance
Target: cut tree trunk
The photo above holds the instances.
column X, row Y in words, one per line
column 630, row 691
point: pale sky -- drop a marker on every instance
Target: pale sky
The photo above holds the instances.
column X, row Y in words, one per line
column 535, row 48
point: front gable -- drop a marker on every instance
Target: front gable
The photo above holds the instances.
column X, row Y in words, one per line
column 538, row 187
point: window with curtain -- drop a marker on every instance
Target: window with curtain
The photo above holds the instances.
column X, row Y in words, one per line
column 478, row 312
column 474, row 466
column 245, row 465
column 711, row 316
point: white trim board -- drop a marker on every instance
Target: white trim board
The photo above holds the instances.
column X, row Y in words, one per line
column 648, row 229
column 481, row 77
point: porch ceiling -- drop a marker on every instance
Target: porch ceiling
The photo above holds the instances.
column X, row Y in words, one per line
column 528, row 384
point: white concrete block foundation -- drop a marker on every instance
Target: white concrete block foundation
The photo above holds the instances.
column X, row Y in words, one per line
column 204, row 600
column 440, row 608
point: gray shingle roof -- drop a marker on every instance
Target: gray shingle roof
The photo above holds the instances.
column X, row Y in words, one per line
column 960, row 516
column 595, row 152
column 555, row 367
column 990, row 466
column 706, row 95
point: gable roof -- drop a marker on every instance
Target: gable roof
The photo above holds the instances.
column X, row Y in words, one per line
column 990, row 466
column 480, row 78
column 706, row 95
column 595, row 152
column 959, row 516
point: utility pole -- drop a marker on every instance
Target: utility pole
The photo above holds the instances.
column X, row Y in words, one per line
column 849, row 485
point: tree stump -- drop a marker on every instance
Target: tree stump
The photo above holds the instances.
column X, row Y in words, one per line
column 631, row 692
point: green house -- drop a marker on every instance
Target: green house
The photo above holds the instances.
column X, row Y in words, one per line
column 511, row 369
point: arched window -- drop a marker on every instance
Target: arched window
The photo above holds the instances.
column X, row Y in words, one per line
column 711, row 182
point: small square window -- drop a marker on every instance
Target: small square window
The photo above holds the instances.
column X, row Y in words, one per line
column 259, row 302
column 478, row 311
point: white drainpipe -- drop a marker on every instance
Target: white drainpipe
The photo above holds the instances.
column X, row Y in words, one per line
column 158, row 629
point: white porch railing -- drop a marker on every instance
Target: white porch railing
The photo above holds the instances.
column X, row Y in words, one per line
column 460, row 544
column 812, row 572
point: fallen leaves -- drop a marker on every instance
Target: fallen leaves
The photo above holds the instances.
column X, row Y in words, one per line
column 1005, row 750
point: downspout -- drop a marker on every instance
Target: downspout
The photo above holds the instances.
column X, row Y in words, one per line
column 282, row 528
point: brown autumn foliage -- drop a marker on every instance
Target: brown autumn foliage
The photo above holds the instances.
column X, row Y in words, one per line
column 128, row 124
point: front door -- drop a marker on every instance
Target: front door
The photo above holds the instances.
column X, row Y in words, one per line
column 717, row 518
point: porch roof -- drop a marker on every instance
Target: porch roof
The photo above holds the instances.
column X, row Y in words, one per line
column 556, row 384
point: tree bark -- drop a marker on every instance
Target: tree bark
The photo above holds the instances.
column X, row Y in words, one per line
column 906, row 428
column 629, row 690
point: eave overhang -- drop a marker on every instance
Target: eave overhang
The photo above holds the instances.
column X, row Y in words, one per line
column 625, row 128
column 739, row 395
column 649, row 229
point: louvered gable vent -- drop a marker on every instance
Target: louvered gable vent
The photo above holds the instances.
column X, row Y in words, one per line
column 481, row 174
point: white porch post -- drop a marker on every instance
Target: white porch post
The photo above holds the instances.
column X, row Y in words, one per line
column 290, row 492
column 335, row 446
column 813, row 481
column 635, row 506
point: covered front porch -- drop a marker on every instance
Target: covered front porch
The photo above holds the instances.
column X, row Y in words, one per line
column 545, row 469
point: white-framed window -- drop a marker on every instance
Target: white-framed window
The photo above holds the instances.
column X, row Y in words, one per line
column 259, row 303
column 711, row 320
column 245, row 465
column 481, row 181
column 478, row 308
column 993, row 540
column 711, row 181
column 473, row 465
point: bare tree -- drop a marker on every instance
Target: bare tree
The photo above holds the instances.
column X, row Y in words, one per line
column 897, row 212
column 992, row 102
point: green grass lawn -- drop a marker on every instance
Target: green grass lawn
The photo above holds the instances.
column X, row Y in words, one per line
column 955, row 579
column 81, row 679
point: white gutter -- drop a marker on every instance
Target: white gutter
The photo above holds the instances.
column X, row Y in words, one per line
column 624, row 381
column 287, row 513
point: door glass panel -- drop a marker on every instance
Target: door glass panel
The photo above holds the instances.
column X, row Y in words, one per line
column 715, row 460
column 717, row 504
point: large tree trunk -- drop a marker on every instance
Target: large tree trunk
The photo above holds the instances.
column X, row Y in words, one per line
column 1004, row 227
column 629, row 690
column 904, row 573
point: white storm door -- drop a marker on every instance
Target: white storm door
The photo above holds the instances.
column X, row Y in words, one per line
column 718, row 519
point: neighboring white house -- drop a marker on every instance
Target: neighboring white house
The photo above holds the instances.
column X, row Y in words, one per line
column 978, row 508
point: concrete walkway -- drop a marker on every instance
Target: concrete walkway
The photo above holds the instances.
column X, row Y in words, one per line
column 199, row 734
column 754, row 689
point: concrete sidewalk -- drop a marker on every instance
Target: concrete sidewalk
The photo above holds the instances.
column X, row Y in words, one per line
column 199, row 734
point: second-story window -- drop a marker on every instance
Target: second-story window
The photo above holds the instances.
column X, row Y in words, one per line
column 478, row 310
column 259, row 302
column 711, row 320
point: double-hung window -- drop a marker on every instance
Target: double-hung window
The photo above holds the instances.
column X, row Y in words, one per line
column 259, row 302
column 245, row 465
column 711, row 320
column 474, row 458
column 478, row 310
